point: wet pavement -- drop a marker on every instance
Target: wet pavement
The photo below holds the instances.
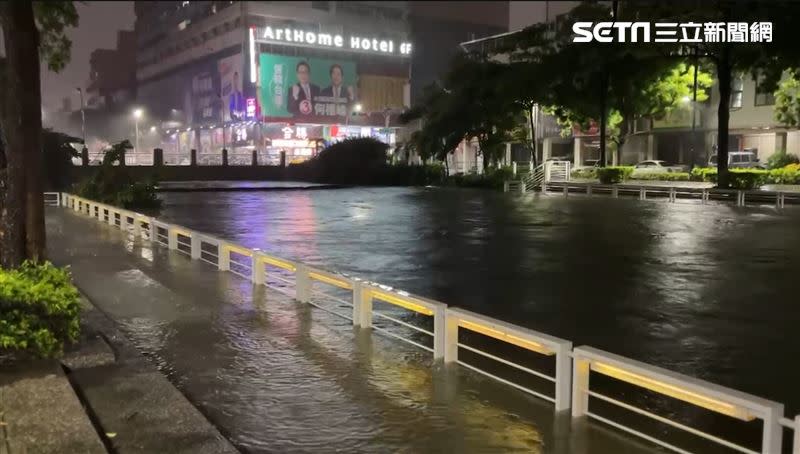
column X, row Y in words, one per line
column 278, row 376
column 705, row 290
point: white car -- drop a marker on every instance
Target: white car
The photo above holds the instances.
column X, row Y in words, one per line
column 654, row 166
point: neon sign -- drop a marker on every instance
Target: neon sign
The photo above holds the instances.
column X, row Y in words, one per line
column 283, row 35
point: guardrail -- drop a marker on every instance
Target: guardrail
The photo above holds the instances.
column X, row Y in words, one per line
column 572, row 368
column 672, row 193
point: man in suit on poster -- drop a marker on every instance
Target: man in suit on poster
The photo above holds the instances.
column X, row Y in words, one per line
column 337, row 89
column 301, row 98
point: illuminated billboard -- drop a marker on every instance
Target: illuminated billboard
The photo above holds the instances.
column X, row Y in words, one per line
column 312, row 90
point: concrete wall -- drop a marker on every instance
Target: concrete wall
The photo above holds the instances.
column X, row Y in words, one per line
column 199, row 173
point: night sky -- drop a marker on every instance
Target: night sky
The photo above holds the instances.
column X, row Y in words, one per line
column 98, row 26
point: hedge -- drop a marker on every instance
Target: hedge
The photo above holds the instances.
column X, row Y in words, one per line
column 751, row 178
column 39, row 310
column 664, row 176
column 614, row 174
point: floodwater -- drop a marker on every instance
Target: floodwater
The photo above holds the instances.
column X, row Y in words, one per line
column 710, row 291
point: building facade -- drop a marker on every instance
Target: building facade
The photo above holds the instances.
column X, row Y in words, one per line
column 283, row 78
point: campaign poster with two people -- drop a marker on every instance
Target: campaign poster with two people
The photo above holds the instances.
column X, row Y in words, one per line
column 311, row 89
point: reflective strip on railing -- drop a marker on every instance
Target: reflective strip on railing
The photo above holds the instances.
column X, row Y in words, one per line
column 398, row 300
column 241, row 250
column 328, row 278
column 279, row 263
column 673, row 391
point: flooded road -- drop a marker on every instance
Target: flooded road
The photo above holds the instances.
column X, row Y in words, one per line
column 705, row 290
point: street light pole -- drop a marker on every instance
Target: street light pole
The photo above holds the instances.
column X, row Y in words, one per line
column 83, row 117
column 137, row 114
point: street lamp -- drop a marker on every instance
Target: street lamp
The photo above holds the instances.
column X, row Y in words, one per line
column 137, row 114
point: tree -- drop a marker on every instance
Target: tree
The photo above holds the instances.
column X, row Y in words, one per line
column 729, row 58
column 787, row 101
column 30, row 31
column 471, row 104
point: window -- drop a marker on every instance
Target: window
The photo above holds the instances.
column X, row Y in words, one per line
column 737, row 86
column 763, row 97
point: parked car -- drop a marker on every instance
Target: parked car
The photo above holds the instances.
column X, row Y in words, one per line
column 653, row 166
column 739, row 159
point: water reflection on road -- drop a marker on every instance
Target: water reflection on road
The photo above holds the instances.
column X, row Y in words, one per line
column 705, row 290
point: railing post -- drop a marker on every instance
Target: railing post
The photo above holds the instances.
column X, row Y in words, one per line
column 302, row 284
column 580, row 386
column 223, row 257
column 614, row 192
column 123, row 221
column 197, row 246
column 112, row 217
column 672, row 195
column 439, row 331
column 137, row 226
column 514, row 168
column 362, row 307
column 172, row 238
column 153, row 230
column 563, row 378
column 796, row 442
column 704, row 196
column 522, row 187
column 772, row 438
column 450, row 338
column 259, row 269
column 642, row 193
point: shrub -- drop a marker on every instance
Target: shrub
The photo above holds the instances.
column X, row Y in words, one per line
column 704, row 174
column 740, row 178
column 351, row 161
column 781, row 159
column 614, row 174
column 588, row 173
column 748, row 178
column 113, row 184
column 39, row 310
column 665, row 176
column 786, row 175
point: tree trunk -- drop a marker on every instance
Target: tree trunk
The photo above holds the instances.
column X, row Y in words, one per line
column 23, row 207
column 603, row 99
column 723, row 117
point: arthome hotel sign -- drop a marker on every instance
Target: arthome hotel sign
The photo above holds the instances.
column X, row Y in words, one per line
column 307, row 38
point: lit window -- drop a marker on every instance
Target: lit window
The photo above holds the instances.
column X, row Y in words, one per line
column 737, row 86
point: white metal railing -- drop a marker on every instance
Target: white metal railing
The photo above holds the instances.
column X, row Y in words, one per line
column 571, row 384
column 556, row 171
column 533, row 179
column 672, row 193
